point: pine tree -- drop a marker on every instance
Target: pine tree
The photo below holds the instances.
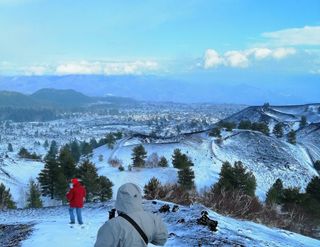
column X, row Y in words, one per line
column 48, row 178
column 292, row 137
column 313, row 188
column 61, row 186
column 6, row 201
column 75, row 150
column 67, row 162
column 85, row 148
column 53, row 151
column 10, row 148
column 278, row 130
column 186, row 178
column 93, row 143
column 245, row 124
column 89, row 177
column 110, row 140
column 139, row 155
column 180, row 160
column 236, row 177
column 151, row 189
column 104, row 188
column 163, row 162
column 46, row 144
column 303, row 122
column 317, row 165
column 275, row 193
column 34, row 200
column 262, row 127
column 215, row 132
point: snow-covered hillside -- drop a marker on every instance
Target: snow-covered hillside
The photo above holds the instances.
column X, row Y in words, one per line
column 290, row 116
column 51, row 228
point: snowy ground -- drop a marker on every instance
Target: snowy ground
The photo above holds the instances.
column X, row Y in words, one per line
column 52, row 229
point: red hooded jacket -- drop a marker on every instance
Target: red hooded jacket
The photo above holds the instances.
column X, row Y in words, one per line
column 76, row 195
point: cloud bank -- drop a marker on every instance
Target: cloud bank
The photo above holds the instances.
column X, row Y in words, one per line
column 243, row 58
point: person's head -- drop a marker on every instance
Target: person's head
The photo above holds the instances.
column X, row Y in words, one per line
column 75, row 181
column 129, row 199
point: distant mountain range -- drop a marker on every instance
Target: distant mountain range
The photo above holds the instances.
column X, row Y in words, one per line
column 210, row 89
column 55, row 98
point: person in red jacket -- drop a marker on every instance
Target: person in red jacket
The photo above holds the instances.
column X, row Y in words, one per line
column 76, row 197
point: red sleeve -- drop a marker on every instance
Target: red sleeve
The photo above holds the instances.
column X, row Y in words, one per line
column 70, row 195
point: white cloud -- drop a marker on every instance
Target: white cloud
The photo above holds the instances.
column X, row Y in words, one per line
column 35, row 70
column 280, row 53
column 236, row 59
column 243, row 58
column 308, row 35
column 108, row 68
column 212, row 59
column 82, row 67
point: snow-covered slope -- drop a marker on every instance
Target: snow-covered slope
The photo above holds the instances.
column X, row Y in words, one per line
column 51, row 228
column 267, row 157
column 289, row 115
column 310, row 138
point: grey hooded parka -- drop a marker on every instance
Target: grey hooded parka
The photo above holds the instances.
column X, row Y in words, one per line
column 118, row 232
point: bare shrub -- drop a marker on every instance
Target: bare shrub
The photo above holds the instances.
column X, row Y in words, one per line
column 115, row 162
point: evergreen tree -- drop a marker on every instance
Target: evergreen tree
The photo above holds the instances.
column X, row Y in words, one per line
column 215, row 132
column 110, row 140
column 118, row 135
column 262, row 127
column 46, row 144
column 61, row 186
column 313, row 188
column 53, row 151
column 6, row 201
column 236, row 178
column 10, row 148
column 75, row 150
column 180, row 160
column 275, row 193
column 292, row 137
column 139, row 155
column 85, row 148
column 186, row 178
column 229, row 126
column 48, row 178
column 245, row 124
column 317, row 165
column 151, row 189
column 104, row 188
column 67, row 162
column 303, row 122
column 89, row 177
column 93, row 143
column 163, row 162
column 33, row 199
column 278, row 130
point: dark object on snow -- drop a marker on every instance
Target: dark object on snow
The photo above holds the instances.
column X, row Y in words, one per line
column 175, row 208
column 206, row 221
column 13, row 235
column 164, row 209
column 154, row 202
column 112, row 213
column 172, row 235
column 181, row 221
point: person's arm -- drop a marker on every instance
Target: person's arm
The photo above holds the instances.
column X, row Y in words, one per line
column 107, row 236
column 160, row 235
column 70, row 195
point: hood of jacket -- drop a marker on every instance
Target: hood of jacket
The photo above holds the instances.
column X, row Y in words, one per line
column 129, row 199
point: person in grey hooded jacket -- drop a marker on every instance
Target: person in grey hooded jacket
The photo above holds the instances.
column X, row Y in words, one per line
column 118, row 232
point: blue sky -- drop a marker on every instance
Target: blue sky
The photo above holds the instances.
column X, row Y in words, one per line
column 159, row 37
